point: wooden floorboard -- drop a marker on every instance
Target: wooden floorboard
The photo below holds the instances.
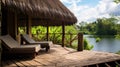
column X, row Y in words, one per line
column 65, row 57
column 10, row 63
column 4, row 64
column 25, row 63
column 17, row 63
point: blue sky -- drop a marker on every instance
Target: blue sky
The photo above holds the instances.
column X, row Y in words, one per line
column 90, row 10
column 89, row 2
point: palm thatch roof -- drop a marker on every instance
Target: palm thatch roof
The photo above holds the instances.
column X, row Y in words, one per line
column 42, row 12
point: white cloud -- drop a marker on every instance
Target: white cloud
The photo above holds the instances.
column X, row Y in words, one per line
column 116, row 10
column 87, row 13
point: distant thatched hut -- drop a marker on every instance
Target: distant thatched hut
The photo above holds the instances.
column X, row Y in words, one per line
column 29, row 13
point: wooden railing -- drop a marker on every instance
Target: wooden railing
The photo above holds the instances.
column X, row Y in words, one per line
column 70, row 40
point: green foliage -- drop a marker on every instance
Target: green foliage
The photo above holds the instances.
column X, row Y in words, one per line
column 118, row 31
column 70, row 29
column 118, row 52
column 39, row 33
column 91, row 27
column 55, row 33
column 83, row 28
column 117, row 36
column 103, row 26
column 74, row 45
column 98, row 39
column 87, row 46
column 38, row 30
column 117, row 1
column 106, row 26
column 21, row 30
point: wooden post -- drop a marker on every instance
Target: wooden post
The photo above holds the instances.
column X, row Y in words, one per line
column 17, row 36
column 63, row 34
column 4, row 28
column 16, row 25
column 28, row 26
column 47, row 34
column 80, row 42
column 0, row 35
column 70, row 39
column 12, row 24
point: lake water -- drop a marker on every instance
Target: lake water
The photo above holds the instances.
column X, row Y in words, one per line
column 107, row 44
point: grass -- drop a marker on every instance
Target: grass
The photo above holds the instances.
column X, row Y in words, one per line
column 118, row 52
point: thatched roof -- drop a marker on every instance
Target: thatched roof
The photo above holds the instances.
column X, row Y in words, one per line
column 42, row 12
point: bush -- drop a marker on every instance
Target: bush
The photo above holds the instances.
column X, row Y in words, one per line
column 98, row 39
column 118, row 52
column 87, row 46
column 117, row 36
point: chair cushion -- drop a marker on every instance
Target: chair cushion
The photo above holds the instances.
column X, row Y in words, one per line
column 27, row 38
column 14, row 47
column 9, row 41
column 27, row 49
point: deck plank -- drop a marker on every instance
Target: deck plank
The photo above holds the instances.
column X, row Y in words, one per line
column 18, row 63
column 23, row 62
column 44, row 62
column 33, row 63
column 65, row 57
column 4, row 64
column 11, row 64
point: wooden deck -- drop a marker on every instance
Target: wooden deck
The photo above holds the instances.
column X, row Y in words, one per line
column 66, row 57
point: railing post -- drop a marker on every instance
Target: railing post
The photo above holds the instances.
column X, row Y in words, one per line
column 63, row 35
column 47, row 35
column 70, row 39
column 80, row 42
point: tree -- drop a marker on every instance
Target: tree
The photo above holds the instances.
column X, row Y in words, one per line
column 117, row 1
column 106, row 26
column 118, row 25
column 82, row 24
column 91, row 27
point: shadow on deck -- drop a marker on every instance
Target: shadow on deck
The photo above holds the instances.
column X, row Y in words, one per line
column 66, row 57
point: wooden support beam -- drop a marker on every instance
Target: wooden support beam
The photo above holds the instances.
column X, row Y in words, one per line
column 4, row 28
column 12, row 24
column 63, row 34
column 16, row 25
column 80, row 42
column 47, row 34
column 28, row 26
column 17, row 36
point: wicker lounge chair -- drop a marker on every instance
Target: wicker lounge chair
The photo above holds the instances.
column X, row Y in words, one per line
column 43, row 44
column 13, row 47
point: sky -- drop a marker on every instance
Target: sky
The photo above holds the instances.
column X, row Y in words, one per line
column 90, row 10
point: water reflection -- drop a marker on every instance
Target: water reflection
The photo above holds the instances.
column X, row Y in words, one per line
column 107, row 44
